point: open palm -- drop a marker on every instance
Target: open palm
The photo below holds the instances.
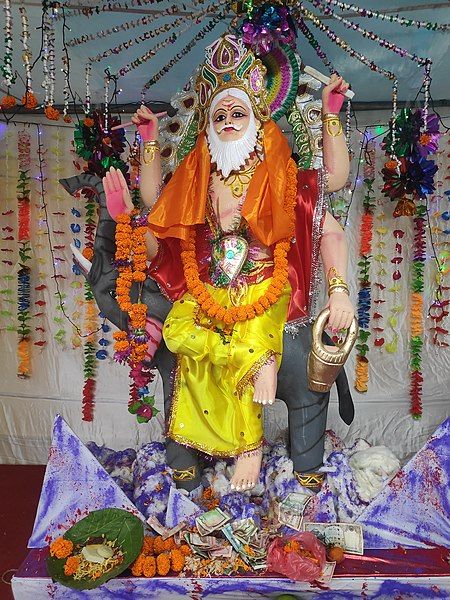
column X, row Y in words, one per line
column 118, row 197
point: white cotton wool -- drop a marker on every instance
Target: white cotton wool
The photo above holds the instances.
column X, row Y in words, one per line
column 372, row 469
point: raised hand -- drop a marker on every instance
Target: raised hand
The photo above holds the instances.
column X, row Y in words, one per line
column 147, row 123
column 118, row 197
column 333, row 94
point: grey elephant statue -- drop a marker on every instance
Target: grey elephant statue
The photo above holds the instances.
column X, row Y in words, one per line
column 307, row 410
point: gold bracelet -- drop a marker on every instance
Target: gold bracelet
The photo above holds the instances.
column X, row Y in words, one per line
column 338, row 288
column 151, row 147
column 334, row 278
column 330, row 116
column 330, row 121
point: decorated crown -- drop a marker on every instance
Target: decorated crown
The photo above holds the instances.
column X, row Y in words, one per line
column 230, row 65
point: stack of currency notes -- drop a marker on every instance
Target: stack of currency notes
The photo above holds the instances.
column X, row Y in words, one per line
column 211, row 521
column 348, row 536
column 290, row 510
column 248, row 541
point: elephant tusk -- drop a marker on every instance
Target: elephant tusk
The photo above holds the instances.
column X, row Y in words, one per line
column 83, row 262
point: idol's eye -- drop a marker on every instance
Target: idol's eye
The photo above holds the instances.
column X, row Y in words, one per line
column 220, row 117
column 237, row 114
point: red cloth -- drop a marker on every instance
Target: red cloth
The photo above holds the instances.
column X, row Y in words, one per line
column 167, row 269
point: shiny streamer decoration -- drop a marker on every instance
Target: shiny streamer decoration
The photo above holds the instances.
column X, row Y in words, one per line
column 8, row 239
column 24, row 272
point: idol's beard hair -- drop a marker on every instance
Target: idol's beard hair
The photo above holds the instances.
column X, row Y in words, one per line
column 232, row 155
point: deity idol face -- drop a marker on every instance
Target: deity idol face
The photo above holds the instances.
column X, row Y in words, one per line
column 230, row 119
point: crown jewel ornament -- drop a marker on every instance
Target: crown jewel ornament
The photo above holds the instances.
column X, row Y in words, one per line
column 230, row 65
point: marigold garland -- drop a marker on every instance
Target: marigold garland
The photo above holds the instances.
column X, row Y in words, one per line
column 280, row 272
column 8, row 102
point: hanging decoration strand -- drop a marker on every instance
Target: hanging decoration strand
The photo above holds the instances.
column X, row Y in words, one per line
column 342, row 43
column 106, row 33
column 212, row 24
column 315, row 44
column 368, row 34
column 369, row 13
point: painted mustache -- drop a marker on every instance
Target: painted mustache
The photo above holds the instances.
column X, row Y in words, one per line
column 232, row 125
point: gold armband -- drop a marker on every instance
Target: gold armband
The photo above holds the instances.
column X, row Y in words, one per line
column 151, row 147
column 336, row 283
column 331, row 120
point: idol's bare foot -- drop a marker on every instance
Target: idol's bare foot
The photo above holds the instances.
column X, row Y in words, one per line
column 265, row 383
column 246, row 473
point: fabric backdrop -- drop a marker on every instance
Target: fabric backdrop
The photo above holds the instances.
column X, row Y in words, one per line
column 28, row 406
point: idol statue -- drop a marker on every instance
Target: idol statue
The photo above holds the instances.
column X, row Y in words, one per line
column 234, row 240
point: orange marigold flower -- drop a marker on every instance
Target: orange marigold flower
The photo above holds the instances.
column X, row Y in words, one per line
column 8, row 102
column 67, row 119
column 158, row 545
column 163, row 564
column 149, row 566
column 52, row 113
column 147, row 546
column 88, row 253
column 29, row 100
column 61, row 548
column 177, row 560
column 138, row 566
column 88, row 122
column 169, row 544
column 185, row 549
column 71, row 565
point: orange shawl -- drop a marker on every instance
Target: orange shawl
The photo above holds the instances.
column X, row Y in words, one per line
column 183, row 201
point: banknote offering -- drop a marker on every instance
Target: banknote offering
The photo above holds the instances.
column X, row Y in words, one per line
column 290, row 510
column 347, row 535
column 203, row 545
column 164, row 532
column 327, row 573
column 246, row 539
column 211, row 521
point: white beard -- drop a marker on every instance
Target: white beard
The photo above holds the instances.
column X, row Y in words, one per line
column 231, row 156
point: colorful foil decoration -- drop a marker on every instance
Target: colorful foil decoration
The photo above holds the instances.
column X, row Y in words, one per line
column 391, row 346
column 40, row 314
column 24, row 272
column 90, row 361
column 268, row 26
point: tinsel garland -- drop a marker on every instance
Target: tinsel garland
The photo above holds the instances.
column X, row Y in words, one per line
column 24, row 272
column 365, row 253
column 416, row 319
column 90, row 361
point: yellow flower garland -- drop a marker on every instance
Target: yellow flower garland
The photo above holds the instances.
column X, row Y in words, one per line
column 280, row 272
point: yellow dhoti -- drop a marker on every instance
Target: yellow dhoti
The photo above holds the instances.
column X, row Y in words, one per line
column 212, row 407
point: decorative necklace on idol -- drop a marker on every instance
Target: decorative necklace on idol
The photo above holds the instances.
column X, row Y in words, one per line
column 237, row 181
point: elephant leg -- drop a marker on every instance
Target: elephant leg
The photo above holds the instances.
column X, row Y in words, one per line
column 307, row 410
column 184, row 461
